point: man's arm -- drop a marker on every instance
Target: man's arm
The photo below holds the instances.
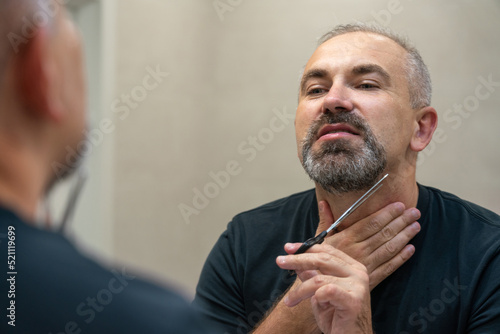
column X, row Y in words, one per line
column 284, row 319
column 379, row 242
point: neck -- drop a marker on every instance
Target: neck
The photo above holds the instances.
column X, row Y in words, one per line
column 21, row 180
column 396, row 188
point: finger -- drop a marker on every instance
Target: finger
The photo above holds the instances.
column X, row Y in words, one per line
column 326, row 259
column 328, row 293
column 323, row 262
column 325, row 216
column 335, row 252
column 396, row 226
column 374, row 223
column 308, row 289
column 334, row 295
column 392, row 247
column 305, row 275
column 291, row 248
column 396, row 230
column 386, row 269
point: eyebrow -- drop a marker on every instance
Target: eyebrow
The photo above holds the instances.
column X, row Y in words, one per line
column 371, row 68
column 311, row 74
column 356, row 70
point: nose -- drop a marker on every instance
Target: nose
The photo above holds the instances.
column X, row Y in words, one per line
column 337, row 99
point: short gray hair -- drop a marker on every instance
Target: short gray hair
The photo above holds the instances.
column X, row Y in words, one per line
column 417, row 73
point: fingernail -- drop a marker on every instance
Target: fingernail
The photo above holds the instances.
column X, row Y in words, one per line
column 415, row 214
column 411, row 249
column 400, row 206
column 416, row 226
column 286, row 300
column 280, row 259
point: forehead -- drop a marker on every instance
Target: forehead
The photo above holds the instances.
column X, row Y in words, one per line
column 351, row 49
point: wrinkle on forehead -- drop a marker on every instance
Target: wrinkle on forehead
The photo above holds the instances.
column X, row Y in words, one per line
column 352, row 49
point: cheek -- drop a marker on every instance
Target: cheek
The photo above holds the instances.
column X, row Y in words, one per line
column 306, row 113
column 393, row 134
column 302, row 123
column 386, row 117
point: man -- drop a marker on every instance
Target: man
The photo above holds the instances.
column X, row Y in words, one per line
column 364, row 111
column 47, row 286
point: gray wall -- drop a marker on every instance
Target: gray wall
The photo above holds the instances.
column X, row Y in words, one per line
column 230, row 74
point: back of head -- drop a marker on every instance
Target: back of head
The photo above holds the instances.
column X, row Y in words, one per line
column 20, row 21
column 13, row 15
column 42, row 95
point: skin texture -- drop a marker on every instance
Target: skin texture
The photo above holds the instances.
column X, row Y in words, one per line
column 338, row 287
column 42, row 95
column 361, row 73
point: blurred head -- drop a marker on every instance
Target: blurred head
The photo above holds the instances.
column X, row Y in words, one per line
column 42, row 87
column 363, row 108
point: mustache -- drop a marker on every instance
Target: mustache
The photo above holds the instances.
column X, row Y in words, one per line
column 345, row 117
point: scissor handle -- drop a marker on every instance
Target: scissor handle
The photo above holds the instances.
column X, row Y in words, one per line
column 311, row 242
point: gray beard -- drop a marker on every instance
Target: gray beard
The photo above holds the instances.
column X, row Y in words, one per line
column 339, row 167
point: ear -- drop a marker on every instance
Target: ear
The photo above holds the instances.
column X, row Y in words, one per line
column 426, row 124
column 35, row 69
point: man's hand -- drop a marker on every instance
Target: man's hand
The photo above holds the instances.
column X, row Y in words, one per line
column 338, row 287
column 379, row 241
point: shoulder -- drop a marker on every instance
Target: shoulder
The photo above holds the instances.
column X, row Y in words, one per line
column 455, row 223
column 445, row 203
column 84, row 294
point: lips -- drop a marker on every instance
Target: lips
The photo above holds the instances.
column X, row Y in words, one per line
column 339, row 128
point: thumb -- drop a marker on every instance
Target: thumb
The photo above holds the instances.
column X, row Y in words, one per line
column 325, row 216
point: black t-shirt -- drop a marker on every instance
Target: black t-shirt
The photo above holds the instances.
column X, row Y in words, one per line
column 49, row 287
column 450, row 285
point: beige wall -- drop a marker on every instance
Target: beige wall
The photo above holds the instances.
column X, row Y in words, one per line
column 230, row 74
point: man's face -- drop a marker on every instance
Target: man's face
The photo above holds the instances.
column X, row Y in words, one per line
column 354, row 119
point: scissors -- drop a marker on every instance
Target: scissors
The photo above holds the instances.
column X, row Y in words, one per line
column 321, row 237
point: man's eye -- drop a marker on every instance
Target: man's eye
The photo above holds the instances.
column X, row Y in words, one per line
column 367, row 86
column 315, row 91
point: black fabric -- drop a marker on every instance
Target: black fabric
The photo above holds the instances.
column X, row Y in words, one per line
column 450, row 285
column 58, row 290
